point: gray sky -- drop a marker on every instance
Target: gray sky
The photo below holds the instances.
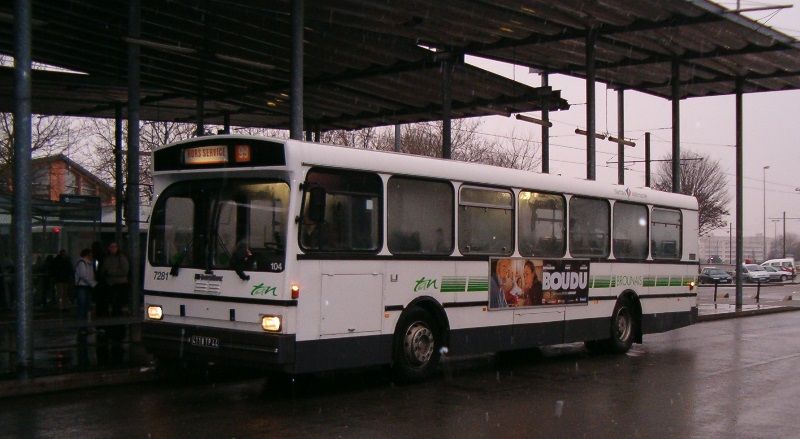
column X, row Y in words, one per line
column 771, row 135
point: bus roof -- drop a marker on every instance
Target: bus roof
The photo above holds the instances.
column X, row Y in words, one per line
column 300, row 153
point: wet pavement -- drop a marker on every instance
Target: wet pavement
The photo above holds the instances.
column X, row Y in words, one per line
column 69, row 356
column 727, row 379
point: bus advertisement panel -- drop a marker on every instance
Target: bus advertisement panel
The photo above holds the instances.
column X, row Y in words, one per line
column 522, row 282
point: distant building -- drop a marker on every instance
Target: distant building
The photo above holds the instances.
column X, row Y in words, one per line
column 86, row 215
column 57, row 175
column 723, row 247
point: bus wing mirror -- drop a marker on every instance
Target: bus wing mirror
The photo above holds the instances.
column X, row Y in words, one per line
column 316, row 204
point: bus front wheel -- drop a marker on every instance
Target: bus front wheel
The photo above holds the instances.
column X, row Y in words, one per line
column 417, row 345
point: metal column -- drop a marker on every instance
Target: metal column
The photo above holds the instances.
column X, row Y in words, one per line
column 545, row 129
column 447, row 80
column 132, row 219
column 621, row 136
column 296, row 81
column 23, row 249
column 739, row 194
column 118, row 179
column 397, row 137
column 200, row 129
column 226, row 122
column 676, row 126
column 591, row 38
column 647, row 159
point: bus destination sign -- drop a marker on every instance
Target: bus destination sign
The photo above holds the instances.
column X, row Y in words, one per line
column 206, row 155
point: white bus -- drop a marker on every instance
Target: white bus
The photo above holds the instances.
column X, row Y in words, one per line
column 305, row 257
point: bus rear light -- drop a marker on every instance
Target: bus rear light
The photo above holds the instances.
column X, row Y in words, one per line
column 691, row 285
column 295, row 291
column 271, row 323
column 154, row 312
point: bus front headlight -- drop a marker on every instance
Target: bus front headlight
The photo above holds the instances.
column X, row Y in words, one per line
column 154, row 312
column 271, row 323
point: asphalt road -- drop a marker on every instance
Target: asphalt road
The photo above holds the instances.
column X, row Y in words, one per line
column 724, row 379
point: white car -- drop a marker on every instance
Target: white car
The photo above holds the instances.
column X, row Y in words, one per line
column 754, row 273
column 778, row 275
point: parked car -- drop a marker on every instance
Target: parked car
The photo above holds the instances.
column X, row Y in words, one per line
column 785, row 264
column 711, row 275
column 776, row 275
column 754, row 273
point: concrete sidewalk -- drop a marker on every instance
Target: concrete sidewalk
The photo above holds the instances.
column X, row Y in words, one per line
column 137, row 367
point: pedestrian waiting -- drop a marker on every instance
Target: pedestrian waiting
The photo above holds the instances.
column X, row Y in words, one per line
column 84, row 282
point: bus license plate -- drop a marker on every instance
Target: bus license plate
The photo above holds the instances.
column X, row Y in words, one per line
column 204, row 342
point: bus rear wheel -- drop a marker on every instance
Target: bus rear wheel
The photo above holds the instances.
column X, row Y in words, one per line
column 622, row 331
column 417, row 346
column 623, row 325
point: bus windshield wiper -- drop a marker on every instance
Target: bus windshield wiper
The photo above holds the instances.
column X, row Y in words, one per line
column 176, row 266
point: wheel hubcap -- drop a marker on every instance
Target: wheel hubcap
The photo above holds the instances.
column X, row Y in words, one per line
column 623, row 326
column 418, row 343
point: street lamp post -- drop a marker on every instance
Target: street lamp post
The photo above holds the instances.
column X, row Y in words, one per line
column 764, row 223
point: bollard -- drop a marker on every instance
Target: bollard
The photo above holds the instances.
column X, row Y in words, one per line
column 758, row 291
column 716, row 283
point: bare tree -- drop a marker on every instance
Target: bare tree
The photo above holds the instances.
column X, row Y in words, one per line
column 151, row 136
column 425, row 138
column 704, row 180
column 49, row 135
column 266, row 132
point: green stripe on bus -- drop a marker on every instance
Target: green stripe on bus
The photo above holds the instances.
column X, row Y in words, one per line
column 649, row 281
column 453, row 284
column 478, row 284
column 676, row 281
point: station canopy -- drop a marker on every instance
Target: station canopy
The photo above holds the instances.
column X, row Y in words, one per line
column 378, row 62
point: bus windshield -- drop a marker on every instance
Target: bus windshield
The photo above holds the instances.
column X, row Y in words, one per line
column 200, row 223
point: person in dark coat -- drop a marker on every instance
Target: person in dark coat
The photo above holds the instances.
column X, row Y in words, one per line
column 61, row 271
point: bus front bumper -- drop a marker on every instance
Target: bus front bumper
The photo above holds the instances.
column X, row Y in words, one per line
column 199, row 343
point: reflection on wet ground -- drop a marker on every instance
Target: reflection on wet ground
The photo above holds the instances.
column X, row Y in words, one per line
column 65, row 345
column 725, row 379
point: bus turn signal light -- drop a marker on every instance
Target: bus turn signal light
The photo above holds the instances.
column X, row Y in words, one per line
column 295, row 291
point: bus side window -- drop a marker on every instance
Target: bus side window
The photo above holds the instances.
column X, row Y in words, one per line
column 341, row 211
column 419, row 216
column 665, row 233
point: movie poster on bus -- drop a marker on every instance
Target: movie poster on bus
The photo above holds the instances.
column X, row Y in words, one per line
column 529, row 282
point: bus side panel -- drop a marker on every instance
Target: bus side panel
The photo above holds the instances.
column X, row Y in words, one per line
column 592, row 321
column 342, row 353
column 670, row 302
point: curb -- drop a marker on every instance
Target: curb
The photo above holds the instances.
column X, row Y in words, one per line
column 747, row 313
column 73, row 381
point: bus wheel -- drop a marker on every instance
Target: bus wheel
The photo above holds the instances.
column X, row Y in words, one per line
column 623, row 325
column 416, row 346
